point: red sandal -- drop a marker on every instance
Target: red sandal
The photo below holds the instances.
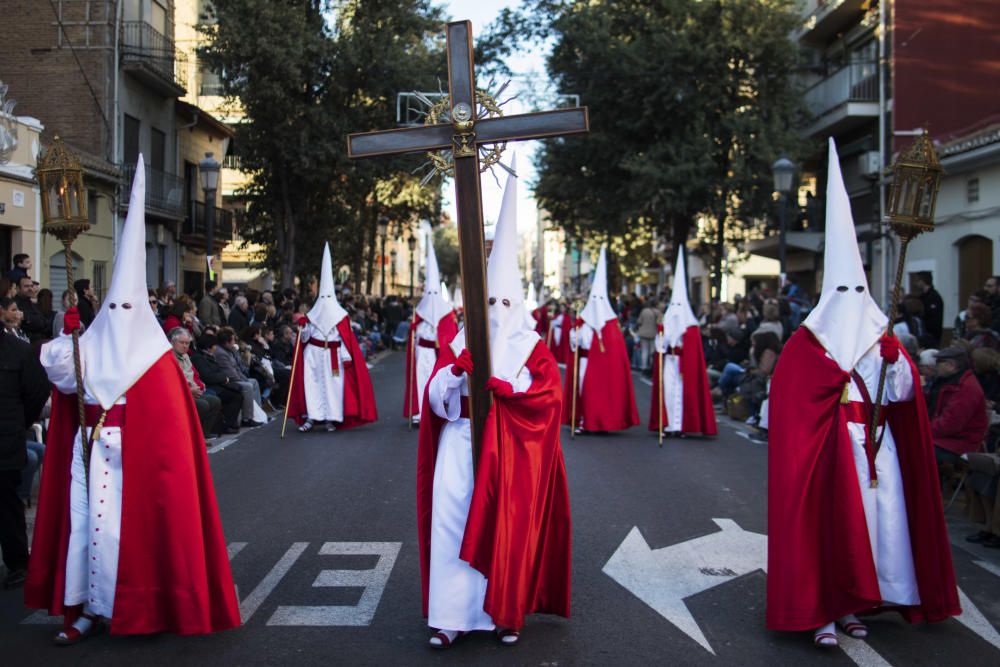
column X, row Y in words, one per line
column 853, row 627
column 826, row 640
column 443, row 641
column 71, row 635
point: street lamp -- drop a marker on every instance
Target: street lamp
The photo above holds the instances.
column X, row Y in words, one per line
column 209, row 174
column 783, row 171
column 411, row 242
column 383, row 231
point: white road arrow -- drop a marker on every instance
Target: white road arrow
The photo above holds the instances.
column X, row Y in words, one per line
column 663, row 578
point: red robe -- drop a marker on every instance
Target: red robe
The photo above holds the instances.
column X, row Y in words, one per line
column 698, row 415
column 561, row 350
column 173, row 569
column 606, row 401
column 359, row 398
column 447, row 327
column 820, row 561
column 542, row 321
column 518, row 530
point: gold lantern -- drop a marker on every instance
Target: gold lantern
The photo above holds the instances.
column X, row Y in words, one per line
column 64, row 197
column 916, row 178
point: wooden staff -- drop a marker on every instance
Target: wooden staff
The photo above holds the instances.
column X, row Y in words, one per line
column 78, row 367
column 659, row 370
column 291, row 381
column 412, row 378
column 576, row 388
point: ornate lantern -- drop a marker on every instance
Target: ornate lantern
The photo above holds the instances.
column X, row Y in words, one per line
column 64, row 197
column 916, row 178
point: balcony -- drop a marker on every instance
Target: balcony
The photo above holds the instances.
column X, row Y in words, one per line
column 843, row 99
column 827, row 19
column 194, row 229
column 151, row 58
column 164, row 192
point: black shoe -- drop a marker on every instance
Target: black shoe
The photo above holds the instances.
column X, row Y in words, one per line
column 992, row 543
column 231, row 430
column 15, row 579
column 979, row 537
column 249, row 423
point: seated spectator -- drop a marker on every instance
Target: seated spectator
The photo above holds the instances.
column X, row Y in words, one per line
column 977, row 327
column 283, row 346
column 958, row 331
column 737, row 357
column 239, row 316
column 217, row 382
column 985, row 507
column 911, row 345
column 956, row 406
column 753, row 385
column 227, row 354
column 209, row 407
column 771, row 320
column 927, row 367
column 256, row 356
column 986, row 366
column 182, row 314
column 36, row 456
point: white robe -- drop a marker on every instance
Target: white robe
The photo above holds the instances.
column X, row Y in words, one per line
column 95, row 518
column 457, row 591
column 672, row 387
column 885, row 506
column 324, row 391
column 426, row 358
column 584, row 337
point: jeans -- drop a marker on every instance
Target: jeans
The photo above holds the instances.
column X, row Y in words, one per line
column 730, row 378
column 645, row 352
column 36, row 452
column 251, row 395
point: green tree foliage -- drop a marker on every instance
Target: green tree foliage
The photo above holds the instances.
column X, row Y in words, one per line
column 306, row 73
column 690, row 102
column 446, row 249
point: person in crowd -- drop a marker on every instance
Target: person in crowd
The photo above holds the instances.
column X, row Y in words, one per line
column 209, row 407
column 495, row 540
column 770, row 320
column 227, row 355
column 210, row 308
column 33, row 322
column 958, row 328
column 257, row 359
column 992, row 289
column 434, row 325
column 239, row 316
column 217, row 382
column 45, row 306
column 283, row 347
column 927, row 367
column 986, row 366
column 331, row 382
column 765, row 350
column 680, row 402
column 855, row 518
column 734, row 359
column 977, row 328
column 164, row 568
column 181, row 314
column 393, row 313
column 24, row 389
column 57, row 317
column 910, row 343
column 646, row 327
column 10, row 318
column 957, row 407
column 602, row 378
column 36, row 455
column 86, row 301
column 21, row 268
column 933, row 307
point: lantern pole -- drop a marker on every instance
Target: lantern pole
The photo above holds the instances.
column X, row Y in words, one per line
column 60, row 179
column 916, row 178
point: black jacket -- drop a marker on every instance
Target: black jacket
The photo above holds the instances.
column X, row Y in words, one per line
column 34, row 323
column 211, row 373
column 24, row 388
column 238, row 319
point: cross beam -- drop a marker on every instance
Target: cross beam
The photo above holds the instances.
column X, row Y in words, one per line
column 463, row 136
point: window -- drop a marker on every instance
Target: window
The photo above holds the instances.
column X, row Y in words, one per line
column 972, row 190
column 100, row 280
column 157, row 149
column 92, row 200
column 130, row 140
column 158, row 17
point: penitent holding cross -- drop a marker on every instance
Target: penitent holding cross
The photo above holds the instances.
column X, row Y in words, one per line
column 463, row 136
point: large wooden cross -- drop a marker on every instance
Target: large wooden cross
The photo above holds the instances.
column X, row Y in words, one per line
column 463, row 136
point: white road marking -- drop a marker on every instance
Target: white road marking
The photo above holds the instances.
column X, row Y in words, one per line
column 222, row 445
column 992, row 568
column 234, row 548
column 373, row 581
column 860, row 652
column 270, row 582
column 663, row 578
column 973, row 619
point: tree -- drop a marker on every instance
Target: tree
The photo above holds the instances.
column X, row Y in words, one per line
column 446, row 249
column 690, row 101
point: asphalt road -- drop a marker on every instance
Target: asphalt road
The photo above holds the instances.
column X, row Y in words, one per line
column 323, row 535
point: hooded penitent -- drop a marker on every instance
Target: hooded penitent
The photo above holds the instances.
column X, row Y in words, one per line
column 456, row 298
column 603, row 381
column 517, row 528
column 856, row 523
column 445, row 294
column 433, row 306
column 125, row 339
column 681, row 390
column 327, row 312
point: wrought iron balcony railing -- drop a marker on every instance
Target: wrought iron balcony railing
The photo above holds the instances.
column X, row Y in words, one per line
column 856, row 82
column 164, row 192
column 143, row 45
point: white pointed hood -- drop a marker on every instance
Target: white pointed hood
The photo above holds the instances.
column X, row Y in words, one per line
column 444, row 292
column 598, row 309
column 530, row 305
column 678, row 317
column 512, row 339
column 125, row 339
column 846, row 321
column 456, row 297
column 327, row 312
column 432, row 306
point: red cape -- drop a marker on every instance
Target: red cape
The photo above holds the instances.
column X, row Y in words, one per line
column 542, row 320
column 518, row 531
column 820, row 561
column 699, row 415
column 173, row 569
column 359, row 398
column 561, row 350
column 606, row 401
column 446, row 329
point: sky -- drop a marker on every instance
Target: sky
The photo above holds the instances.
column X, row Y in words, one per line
column 529, row 66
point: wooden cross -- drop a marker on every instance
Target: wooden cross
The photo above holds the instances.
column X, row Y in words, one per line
column 463, row 136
